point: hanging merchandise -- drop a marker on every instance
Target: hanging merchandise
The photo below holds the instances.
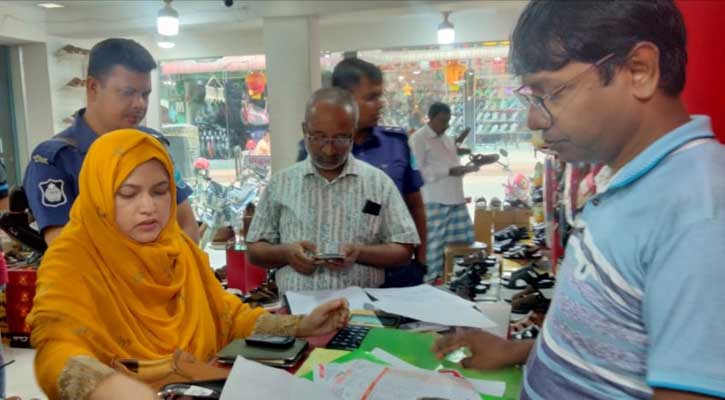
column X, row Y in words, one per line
column 253, row 114
column 256, row 83
column 454, row 72
column 214, row 90
column 407, row 90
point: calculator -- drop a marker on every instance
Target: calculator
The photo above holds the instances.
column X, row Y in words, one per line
column 348, row 338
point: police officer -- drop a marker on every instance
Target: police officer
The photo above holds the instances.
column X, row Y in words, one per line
column 386, row 148
column 117, row 91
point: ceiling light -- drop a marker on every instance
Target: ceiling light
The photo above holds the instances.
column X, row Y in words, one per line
column 416, row 72
column 165, row 43
column 50, row 5
column 446, row 32
column 167, row 21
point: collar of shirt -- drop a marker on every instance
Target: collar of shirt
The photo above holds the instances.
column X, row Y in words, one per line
column 430, row 133
column 351, row 168
column 81, row 132
column 699, row 127
column 373, row 140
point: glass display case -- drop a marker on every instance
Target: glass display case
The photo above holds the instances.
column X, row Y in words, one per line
column 215, row 109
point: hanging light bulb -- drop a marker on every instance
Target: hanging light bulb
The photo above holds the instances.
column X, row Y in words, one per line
column 446, row 32
column 167, row 21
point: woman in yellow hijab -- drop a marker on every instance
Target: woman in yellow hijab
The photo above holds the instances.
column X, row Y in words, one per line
column 123, row 281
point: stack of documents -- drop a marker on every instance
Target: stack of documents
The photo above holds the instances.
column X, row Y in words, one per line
column 423, row 303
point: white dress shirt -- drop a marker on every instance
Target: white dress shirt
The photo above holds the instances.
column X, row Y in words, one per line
column 435, row 155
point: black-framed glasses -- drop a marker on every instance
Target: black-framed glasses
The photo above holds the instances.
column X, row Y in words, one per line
column 539, row 102
column 339, row 142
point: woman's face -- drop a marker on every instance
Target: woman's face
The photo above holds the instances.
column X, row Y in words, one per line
column 143, row 202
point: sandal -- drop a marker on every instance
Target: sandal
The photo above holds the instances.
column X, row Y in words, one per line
column 503, row 245
column 478, row 257
column 523, row 277
column 532, row 302
column 530, row 332
column 523, row 252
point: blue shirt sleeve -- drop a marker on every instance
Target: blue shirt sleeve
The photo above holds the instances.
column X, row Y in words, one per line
column 50, row 192
column 183, row 191
column 683, row 309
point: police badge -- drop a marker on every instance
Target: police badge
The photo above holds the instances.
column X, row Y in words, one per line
column 53, row 194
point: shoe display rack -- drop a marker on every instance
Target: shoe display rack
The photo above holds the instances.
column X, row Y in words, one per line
column 70, row 83
column 499, row 115
column 483, row 99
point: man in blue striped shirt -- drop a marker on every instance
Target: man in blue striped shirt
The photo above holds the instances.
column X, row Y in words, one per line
column 638, row 310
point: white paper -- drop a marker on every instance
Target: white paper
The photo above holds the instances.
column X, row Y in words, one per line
column 424, row 303
column 251, row 380
column 363, row 379
column 305, row 302
column 491, row 388
column 424, row 293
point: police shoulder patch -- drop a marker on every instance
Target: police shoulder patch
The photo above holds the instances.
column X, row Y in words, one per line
column 53, row 193
column 40, row 159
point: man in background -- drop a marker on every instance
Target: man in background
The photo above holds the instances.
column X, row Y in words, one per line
column 445, row 207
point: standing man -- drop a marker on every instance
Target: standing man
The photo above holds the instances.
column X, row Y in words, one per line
column 445, row 206
column 386, row 148
column 637, row 296
column 330, row 203
column 117, row 93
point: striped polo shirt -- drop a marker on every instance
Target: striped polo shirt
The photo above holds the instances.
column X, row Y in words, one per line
column 639, row 301
column 299, row 204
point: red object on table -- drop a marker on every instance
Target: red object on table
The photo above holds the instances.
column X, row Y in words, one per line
column 19, row 295
column 236, row 263
column 241, row 274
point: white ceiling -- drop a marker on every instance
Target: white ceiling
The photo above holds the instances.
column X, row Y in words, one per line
column 90, row 19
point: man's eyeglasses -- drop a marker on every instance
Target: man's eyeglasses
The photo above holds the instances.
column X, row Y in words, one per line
column 539, row 102
column 339, row 142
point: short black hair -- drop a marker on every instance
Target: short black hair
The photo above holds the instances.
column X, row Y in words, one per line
column 437, row 108
column 349, row 72
column 124, row 52
column 551, row 33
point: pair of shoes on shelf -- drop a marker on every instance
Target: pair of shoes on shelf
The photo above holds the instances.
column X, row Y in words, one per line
column 528, row 276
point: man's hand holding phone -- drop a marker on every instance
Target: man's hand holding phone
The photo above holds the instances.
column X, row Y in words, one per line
column 346, row 257
column 297, row 257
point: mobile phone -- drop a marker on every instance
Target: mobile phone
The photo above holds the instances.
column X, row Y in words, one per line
column 278, row 342
column 329, row 257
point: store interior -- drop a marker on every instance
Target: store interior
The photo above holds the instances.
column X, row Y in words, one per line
column 231, row 85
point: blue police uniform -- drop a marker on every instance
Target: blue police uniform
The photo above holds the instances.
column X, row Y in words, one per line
column 387, row 148
column 51, row 178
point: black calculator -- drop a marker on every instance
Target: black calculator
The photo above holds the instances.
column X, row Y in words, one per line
column 348, row 338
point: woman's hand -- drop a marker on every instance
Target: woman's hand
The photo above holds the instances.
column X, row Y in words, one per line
column 326, row 318
column 121, row 387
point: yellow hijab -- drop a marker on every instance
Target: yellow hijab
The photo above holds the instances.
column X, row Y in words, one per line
column 103, row 294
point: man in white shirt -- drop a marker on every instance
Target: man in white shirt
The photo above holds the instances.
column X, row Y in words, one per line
column 437, row 157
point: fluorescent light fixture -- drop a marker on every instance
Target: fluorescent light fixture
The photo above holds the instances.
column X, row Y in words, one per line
column 50, row 5
column 167, row 21
column 165, row 43
column 446, row 32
